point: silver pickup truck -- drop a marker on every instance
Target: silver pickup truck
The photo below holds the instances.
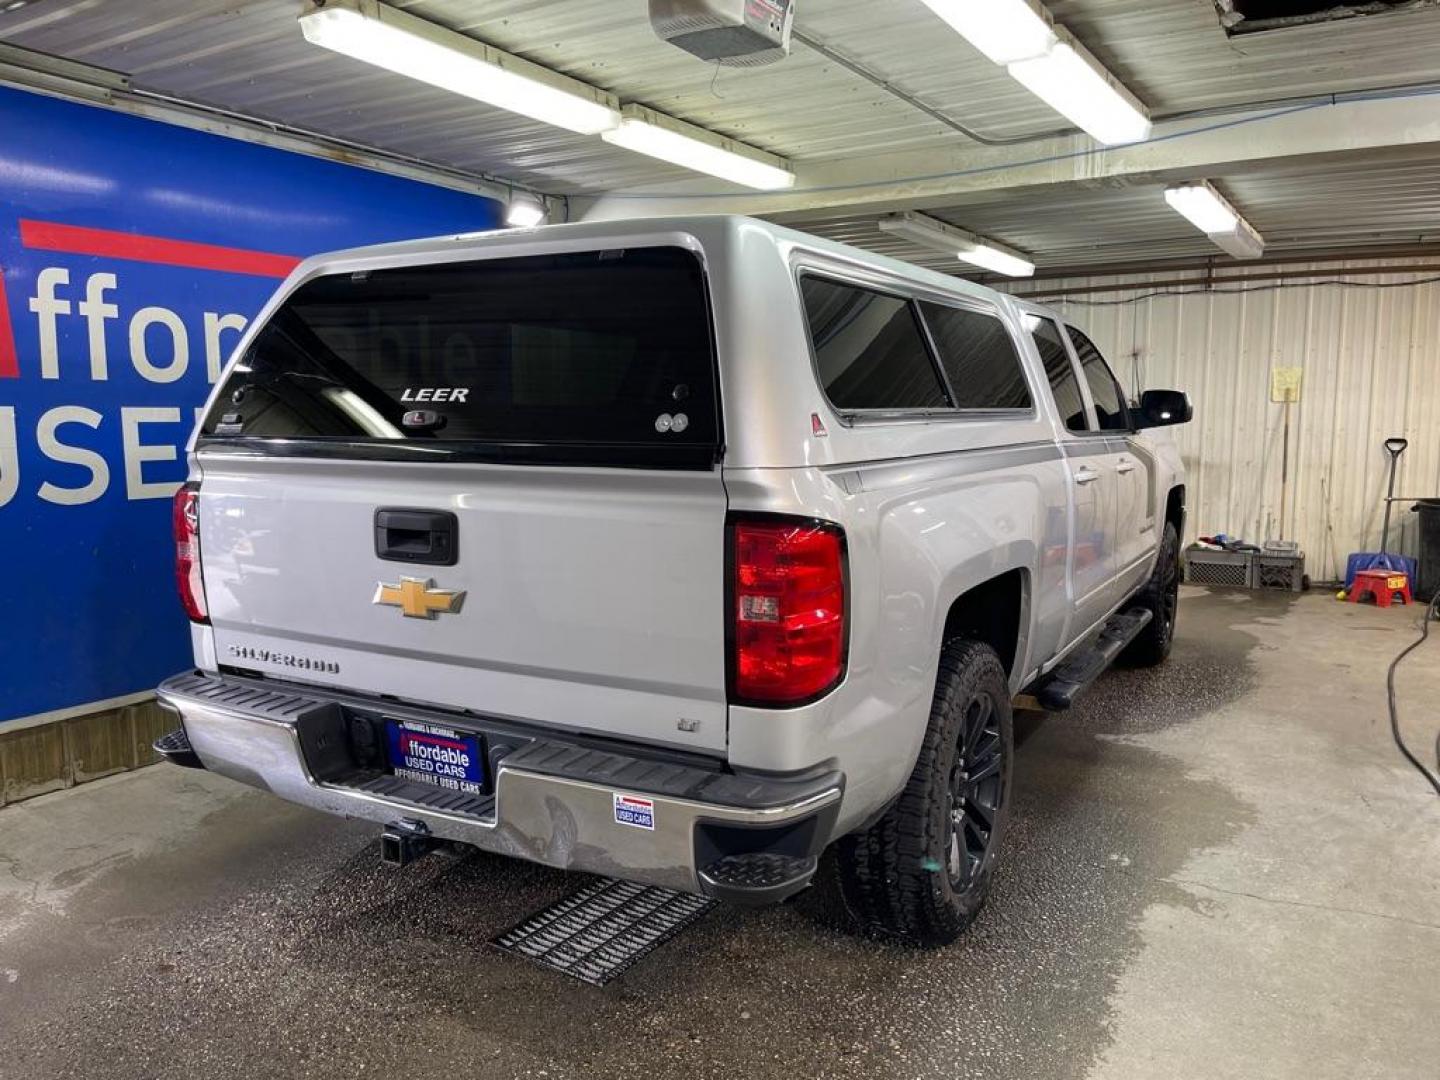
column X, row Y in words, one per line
column 693, row 551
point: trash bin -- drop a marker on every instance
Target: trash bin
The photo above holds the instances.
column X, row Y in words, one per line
column 1429, row 512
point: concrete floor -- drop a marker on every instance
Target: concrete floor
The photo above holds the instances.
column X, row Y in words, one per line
column 1221, row 868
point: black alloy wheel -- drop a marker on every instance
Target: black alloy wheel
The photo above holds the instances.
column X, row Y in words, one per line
column 1169, row 598
column 976, row 788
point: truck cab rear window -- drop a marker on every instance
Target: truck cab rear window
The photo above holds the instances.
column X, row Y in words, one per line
column 1063, row 385
column 600, row 348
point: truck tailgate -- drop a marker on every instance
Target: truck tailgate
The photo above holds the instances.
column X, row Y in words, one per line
column 593, row 599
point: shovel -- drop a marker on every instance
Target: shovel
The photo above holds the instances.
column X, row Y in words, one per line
column 1394, row 447
column 1382, row 559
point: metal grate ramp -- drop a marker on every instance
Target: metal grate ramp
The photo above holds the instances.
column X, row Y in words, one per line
column 602, row 930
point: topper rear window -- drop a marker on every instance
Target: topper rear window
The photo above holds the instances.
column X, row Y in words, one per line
column 601, row 357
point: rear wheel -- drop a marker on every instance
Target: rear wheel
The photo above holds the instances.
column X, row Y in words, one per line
column 921, row 873
column 1161, row 597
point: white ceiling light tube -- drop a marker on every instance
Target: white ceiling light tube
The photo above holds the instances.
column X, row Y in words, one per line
column 1077, row 86
column 649, row 132
column 1202, row 206
column 381, row 35
column 933, row 233
column 990, row 257
column 525, row 211
column 1207, row 210
column 1004, row 30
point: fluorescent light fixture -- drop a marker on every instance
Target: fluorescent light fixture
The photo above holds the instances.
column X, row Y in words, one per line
column 990, row 257
column 1004, row 30
column 1202, row 206
column 381, row 35
column 1077, row 86
column 649, row 132
column 1207, row 210
column 1242, row 241
column 525, row 211
column 933, row 233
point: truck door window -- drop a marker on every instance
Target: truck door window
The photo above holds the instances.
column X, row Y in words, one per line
column 869, row 350
column 978, row 356
column 1110, row 407
column 1061, row 373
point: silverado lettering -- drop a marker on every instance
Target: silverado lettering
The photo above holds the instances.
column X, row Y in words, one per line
column 283, row 659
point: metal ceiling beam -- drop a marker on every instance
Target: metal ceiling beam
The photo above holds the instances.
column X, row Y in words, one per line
column 1221, row 146
column 1219, row 281
column 1220, row 264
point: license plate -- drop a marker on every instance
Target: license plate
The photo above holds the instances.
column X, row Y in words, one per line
column 432, row 754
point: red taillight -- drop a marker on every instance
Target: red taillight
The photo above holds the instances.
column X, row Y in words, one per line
column 787, row 609
column 186, row 521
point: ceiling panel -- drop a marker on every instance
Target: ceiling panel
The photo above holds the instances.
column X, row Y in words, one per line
column 249, row 56
column 1343, row 203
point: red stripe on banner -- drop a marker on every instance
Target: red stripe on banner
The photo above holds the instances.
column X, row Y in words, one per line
column 9, row 366
column 75, row 240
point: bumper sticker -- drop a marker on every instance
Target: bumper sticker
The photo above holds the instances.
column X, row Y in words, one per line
column 633, row 810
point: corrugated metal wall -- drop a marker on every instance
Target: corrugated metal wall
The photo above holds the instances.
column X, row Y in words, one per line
column 1370, row 351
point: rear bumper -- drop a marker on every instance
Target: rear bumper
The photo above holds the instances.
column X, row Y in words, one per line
column 552, row 802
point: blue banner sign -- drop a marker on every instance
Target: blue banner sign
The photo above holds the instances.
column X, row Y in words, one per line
column 133, row 253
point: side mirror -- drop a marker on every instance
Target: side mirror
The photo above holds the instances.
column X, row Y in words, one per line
column 1159, row 408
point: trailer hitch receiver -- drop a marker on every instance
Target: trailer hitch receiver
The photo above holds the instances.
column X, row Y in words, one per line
column 404, row 841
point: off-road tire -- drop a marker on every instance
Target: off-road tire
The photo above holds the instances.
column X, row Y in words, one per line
column 893, row 879
column 1160, row 597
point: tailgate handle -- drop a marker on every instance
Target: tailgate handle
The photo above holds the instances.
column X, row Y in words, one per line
column 416, row 536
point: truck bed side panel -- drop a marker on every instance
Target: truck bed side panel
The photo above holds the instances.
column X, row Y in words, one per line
column 920, row 534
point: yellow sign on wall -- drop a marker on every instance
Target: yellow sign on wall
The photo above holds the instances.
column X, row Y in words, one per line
column 1285, row 383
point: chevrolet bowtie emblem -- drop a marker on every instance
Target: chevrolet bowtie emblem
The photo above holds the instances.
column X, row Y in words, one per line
column 418, row 598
